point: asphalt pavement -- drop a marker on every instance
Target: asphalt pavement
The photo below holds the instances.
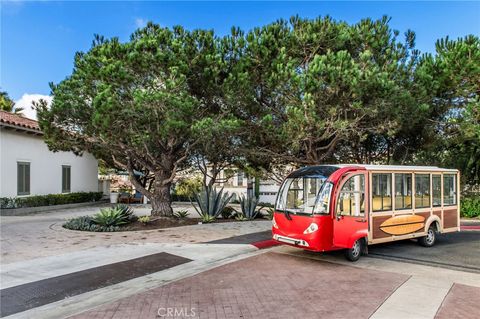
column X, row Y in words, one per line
column 459, row 251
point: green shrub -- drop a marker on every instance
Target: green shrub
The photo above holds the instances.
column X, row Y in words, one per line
column 188, row 187
column 78, row 223
column 107, row 220
column 470, row 207
column 85, row 223
column 228, row 212
column 49, row 200
column 181, row 214
column 144, row 219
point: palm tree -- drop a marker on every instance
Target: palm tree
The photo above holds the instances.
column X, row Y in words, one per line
column 7, row 104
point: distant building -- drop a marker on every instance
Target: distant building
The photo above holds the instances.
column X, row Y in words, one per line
column 28, row 168
column 237, row 185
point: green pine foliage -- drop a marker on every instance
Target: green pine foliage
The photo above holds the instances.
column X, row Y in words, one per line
column 297, row 92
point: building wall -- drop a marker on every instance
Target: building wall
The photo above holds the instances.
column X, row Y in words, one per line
column 45, row 166
column 268, row 192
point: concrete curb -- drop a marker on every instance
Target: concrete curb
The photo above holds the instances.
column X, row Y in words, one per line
column 470, row 227
column 469, row 222
column 263, row 244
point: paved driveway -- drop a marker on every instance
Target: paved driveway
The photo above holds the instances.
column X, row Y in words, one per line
column 41, row 235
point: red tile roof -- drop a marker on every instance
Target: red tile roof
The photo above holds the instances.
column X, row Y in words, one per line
column 18, row 121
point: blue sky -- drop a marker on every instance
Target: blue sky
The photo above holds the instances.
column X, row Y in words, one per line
column 39, row 39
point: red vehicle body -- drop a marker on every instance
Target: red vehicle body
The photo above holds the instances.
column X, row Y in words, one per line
column 342, row 216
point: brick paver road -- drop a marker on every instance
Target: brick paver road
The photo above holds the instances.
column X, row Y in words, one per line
column 461, row 302
column 271, row 285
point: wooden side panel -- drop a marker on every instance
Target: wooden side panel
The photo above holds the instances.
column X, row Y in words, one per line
column 450, row 218
column 438, row 213
column 425, row 215
column 376, row 231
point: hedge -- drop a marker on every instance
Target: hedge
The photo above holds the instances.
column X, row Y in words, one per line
column 49, row 200
column 470, row 206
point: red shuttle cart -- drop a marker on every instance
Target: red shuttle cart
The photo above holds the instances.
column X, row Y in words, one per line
column 331, row 207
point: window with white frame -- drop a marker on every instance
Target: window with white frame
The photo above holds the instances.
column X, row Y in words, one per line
column 436, row 190
column 381, row 192
column 351, row 200
column 403, row 191
column 422, row 190
column 449, row 189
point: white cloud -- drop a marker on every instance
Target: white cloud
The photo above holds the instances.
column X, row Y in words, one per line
column 25, row 102
column 140, row 22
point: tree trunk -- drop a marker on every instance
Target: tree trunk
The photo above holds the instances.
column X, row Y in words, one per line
column 161, row 200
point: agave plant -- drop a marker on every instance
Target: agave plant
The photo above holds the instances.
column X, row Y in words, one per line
column 181, row 214
column 241, row 217
column 208, row 219
column 248, row 205
column 211, row 202
column 111, row 217
column 126, row 212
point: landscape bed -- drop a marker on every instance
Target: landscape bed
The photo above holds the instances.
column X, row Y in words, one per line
column 122, row 218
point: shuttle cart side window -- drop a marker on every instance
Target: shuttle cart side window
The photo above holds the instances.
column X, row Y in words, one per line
column 351, row 200
column 437, row 190
column 449, row 189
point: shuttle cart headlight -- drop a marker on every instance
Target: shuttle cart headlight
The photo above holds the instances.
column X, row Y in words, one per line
column 274, row 223
column 312, row 228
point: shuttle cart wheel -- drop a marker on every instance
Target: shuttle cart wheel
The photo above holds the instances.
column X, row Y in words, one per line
column 429, row 240
column 354, row 253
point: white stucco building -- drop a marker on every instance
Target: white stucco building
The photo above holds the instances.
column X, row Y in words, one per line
column 28, row 168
